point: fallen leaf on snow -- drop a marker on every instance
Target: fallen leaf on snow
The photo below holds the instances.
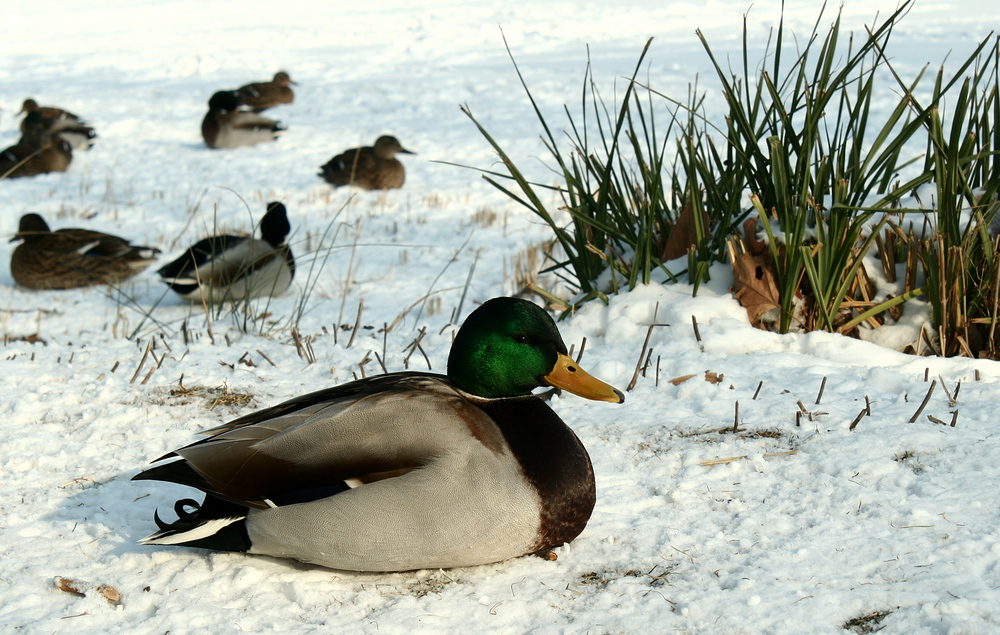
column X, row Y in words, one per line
column 677, row 381
column 80, row 588
column 68, row 586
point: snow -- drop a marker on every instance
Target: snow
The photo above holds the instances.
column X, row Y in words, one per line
column 808, row 526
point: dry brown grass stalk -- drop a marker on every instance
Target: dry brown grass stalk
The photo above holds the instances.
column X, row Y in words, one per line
column 923, row 404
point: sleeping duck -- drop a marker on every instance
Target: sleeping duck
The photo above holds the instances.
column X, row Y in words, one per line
column 69, row 258
column 406, row 470
column 224, row 268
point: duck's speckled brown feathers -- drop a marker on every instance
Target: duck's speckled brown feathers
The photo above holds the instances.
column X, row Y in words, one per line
column 70, row 258
column 263, row 95
column 369, row 167
column 48, row 119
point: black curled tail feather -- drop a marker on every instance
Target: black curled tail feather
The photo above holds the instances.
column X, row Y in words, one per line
column 228, row 536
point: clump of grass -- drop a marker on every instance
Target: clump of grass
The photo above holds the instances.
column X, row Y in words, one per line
column 604, row 578
column 618, row 220
column 959, row 258
column 825, row 173
column 870, row 623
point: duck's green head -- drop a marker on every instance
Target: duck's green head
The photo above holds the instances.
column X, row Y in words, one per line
column 507, row 347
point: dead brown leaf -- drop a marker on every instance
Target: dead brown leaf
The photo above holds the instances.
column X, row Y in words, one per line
column 754, row 246
column 69, row 586
column 677, row 381
column 713, row 378
column 110, row 594
column 80, row 588
column 754, row 286
column 683, row 235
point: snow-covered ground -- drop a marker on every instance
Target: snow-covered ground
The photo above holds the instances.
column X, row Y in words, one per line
column 806, row 524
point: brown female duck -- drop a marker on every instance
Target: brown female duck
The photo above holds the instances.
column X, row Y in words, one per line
column 39, row 151
column 67, row 126
column 70, row 258
column 370, row 168
column 263, row 95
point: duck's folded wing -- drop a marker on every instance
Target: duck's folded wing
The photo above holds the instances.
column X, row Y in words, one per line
column 314, row 443
column 93, row 244
column 182, row 269
column 252, row 121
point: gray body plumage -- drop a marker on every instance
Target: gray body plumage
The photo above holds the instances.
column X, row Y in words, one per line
column 226, row 127
column 436, row 483
column 461, row 504
column 251, row 269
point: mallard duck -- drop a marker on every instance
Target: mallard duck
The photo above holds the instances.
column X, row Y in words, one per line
column 69, row 258
column 406, row 470
column 67, row 126
column 226, row 127
column 370, row 168
column 27, row 159
column 37, row 152
column 223, row 268
column 49, row 112
column 262, row 95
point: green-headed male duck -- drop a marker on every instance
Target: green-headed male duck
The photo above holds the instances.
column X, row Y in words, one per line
column 368, row 167
column 224, row 126
column 69, row 258
column 226, row 268
column 406, row 470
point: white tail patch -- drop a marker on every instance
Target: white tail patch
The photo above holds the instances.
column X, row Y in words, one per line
column 83, row 249
column 204, row 530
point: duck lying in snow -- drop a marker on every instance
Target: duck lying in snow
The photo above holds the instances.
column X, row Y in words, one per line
column 38, row 151
column 69, row 258
column 224, row 126
column 70, row 128
column 263, row 95
column 406, row 470
column 369, row 167
column 226, row 268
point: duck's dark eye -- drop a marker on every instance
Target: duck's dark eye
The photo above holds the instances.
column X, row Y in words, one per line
column 521, row 339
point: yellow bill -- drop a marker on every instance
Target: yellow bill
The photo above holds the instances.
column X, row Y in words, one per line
column 568, row 375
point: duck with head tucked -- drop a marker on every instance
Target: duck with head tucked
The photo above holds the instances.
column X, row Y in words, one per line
column 225, row 126
column 263, row 95
column 70, row 128
column 406, row 470
column 69, row 258
column 369, row 167
column 227, row 268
